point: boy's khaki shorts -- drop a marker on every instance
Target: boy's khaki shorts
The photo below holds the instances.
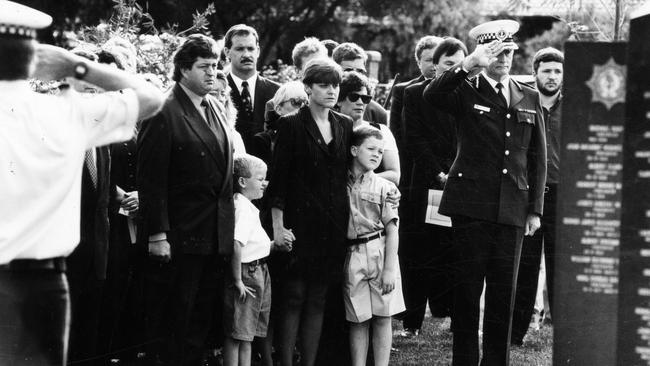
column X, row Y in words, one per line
column 364, row 264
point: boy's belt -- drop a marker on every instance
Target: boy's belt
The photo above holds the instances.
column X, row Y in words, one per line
column 367, row 239
column 257, row 262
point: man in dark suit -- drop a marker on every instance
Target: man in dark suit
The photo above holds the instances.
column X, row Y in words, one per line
column 184, row 175
column 495, row 189
column 430, row 142
column 86, row 266
column 352, row 57
column 249, row 91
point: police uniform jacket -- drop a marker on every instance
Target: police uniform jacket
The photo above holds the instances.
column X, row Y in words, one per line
column 499, row 173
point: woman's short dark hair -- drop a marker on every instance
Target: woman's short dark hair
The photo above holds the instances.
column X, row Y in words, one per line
column 322, row 71
column 196, row 45
column 351, row 82
column 16, row 55
column 449, row 46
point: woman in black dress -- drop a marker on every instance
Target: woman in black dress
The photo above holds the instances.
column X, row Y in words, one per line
column 307, row 193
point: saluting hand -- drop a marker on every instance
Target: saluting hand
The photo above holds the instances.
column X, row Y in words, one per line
column 483, row 55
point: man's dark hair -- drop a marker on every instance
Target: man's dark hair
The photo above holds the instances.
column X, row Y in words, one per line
column 239, row 30
column 196, row 45
column 330, row 44
column 351, row 82
column 548, row 54
column 322, row 71
column 448, row 47
column 16, row 55
column 348, row 51
column 362, row 133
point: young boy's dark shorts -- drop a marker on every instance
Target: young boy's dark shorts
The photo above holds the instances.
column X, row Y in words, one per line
column 248, row 319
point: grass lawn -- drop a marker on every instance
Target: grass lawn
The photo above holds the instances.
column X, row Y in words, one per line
column 433, row 346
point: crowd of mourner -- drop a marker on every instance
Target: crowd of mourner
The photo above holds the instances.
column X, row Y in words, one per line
column 264, row 223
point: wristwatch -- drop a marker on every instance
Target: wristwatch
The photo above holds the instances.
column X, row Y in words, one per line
column 80, row 70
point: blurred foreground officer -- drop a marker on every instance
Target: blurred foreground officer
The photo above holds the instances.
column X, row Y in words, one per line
column 42, row 143
column 495, row 188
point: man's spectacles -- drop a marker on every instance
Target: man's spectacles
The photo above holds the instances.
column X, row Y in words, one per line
column 360, row 71
column 295, row 102
column 365, row 98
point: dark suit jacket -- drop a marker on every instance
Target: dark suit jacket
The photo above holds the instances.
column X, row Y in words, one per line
column 309, row 182
column 396, row 106
column 499, row 173
column 91, row 255
column 264, row 90
column 185, row 179
column 430, row 142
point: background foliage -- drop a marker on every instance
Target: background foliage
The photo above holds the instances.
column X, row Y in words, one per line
column 389, row 26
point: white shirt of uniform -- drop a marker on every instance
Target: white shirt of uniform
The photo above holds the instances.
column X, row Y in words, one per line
column 252, row 81
column 43, row 139
column 389, row 140
column 249, row 231
column 506, row 85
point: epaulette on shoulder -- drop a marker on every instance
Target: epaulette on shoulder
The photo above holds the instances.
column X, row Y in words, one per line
column 521, row 85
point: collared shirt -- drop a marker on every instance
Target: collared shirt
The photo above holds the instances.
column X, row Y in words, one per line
column 252, row 81
column 43, row 139
column 552, row 120
column 369, row 211
column 249, row 231
column 195, row 99
column 505, row 82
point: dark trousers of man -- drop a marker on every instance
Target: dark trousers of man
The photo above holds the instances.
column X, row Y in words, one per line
column 86, row 292
column 529, row 267
column 484, row 251
column 426, row 258
column 34, row 316
column 181, row 303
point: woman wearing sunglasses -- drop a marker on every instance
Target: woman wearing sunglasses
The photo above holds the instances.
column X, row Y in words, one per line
column 354, row 97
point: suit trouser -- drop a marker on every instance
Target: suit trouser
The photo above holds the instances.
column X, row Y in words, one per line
column 181, row 303
column 86, row 292
column 34, row 317
column 485, row 251
column 529, row 267
column 425, row 259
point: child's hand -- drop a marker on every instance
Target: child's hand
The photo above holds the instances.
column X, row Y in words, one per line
column 387, row 281
column 243, row 290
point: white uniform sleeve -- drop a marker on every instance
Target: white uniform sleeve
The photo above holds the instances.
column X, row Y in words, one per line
column 107, row 117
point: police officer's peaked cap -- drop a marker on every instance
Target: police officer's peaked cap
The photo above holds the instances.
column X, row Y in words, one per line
column 21, row 21
column 501, row 30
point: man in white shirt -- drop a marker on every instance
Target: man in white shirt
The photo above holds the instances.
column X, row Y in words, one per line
column 249, row 90
column 42, row 143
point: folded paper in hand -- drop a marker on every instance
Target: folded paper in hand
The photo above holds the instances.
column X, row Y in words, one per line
column 433, row 217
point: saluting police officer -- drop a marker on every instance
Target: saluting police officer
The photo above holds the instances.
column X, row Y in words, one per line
column 42, row 143
column 495, row 188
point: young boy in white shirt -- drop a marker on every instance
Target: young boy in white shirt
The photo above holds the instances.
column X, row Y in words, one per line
column 372, row 287
column 247, row 297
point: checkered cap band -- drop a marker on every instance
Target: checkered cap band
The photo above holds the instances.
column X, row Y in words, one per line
column 489, row 37
column 14, row 30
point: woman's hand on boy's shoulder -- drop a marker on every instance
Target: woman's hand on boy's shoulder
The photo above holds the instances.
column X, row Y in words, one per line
column 393, row 197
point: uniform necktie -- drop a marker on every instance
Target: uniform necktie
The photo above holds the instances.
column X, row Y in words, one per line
column 247, row 103
column 502, row 97
column 92, row 168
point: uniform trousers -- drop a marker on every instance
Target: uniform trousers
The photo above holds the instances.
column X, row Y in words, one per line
column 34, row 317
column 529, row 267
column 425, row 259
column 484, row 251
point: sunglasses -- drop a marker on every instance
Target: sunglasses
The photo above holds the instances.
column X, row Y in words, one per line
column 296, row 102
column 353, row 97
column 360, row 71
